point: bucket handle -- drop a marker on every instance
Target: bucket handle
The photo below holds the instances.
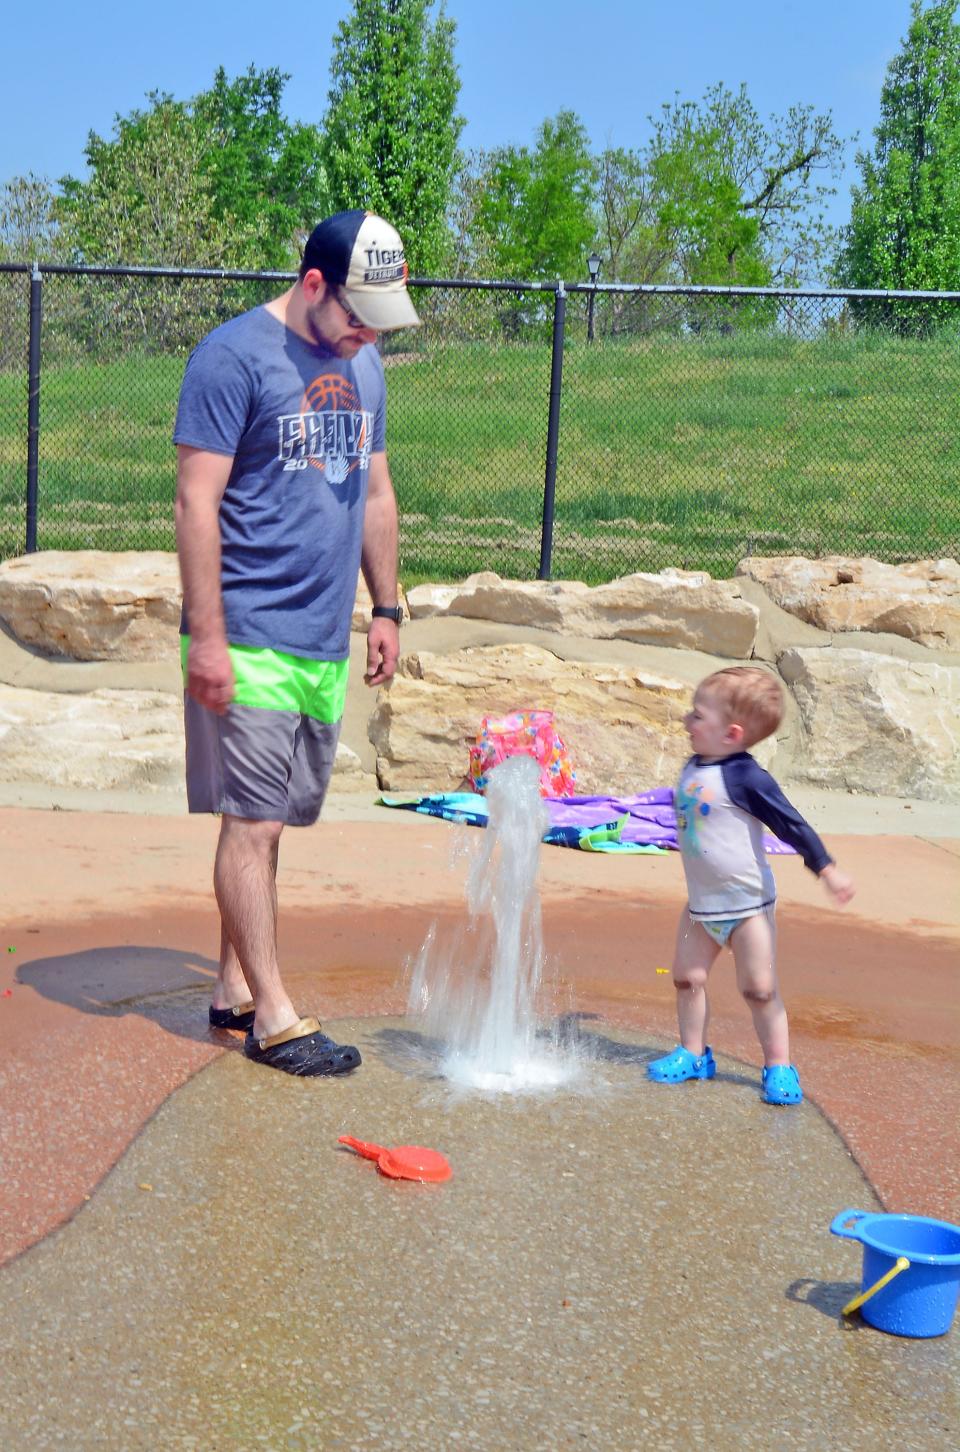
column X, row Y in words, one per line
column 901, row 1264
column 839, row 1226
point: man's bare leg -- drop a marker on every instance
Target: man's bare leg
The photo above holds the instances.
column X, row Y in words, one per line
column 244, row 879
column 231, row 988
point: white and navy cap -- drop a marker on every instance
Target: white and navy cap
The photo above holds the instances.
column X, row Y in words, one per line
column 362, row 255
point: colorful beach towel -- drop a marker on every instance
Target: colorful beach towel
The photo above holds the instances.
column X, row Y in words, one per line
column 643, row 823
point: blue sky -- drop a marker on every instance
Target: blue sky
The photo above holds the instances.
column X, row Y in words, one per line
column 71, row 69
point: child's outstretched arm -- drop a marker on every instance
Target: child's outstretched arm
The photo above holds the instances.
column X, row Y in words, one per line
column 755, row 791
column 837, row 883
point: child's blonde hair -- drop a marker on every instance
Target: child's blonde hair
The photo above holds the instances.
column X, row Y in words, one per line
column 749, row 697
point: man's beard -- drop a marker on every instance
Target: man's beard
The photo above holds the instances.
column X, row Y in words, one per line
column 346, row 347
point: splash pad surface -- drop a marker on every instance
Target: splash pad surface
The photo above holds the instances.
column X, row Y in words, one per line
column 598, row 1262
column 114, row 938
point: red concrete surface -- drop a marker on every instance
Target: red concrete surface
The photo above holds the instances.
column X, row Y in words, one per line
column 109, row 936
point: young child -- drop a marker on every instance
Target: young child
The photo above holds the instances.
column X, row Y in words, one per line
column 724, row 800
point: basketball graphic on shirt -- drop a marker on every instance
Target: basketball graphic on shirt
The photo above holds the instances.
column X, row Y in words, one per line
column 331, row 431
column 330, row 391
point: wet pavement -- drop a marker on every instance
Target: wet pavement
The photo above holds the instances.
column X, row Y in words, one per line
column 616, row 1264
column 193, row 1262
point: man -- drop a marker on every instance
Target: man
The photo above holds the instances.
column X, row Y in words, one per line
column 283, row 494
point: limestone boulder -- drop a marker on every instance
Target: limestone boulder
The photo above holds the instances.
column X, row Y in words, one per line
column 103, row 739
column 349, row 772
column 90, row 605
column 623, row 729
column 689, row 610
column 920, row 601
column 108, row 739
column 93, row 604
column 875, row 723
column 424, row 601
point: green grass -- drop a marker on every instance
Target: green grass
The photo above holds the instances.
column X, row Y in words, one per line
column 672, row 451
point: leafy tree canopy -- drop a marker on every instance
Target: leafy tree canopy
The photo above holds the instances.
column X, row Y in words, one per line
column 904, row 230
column 222, row 180
column 703, row 226
column 148, row 201
column 264, row 171
column 391, row 130
column 535, row 207
column 28, row 224
column 752, row 190
column 715, row 195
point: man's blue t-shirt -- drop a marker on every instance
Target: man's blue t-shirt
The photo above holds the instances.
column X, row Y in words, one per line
column 300, row 424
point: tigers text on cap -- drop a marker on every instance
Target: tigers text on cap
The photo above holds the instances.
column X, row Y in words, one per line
column 362, row 255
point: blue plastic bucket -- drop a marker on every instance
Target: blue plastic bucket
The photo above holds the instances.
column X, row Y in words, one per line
column 911, row 1271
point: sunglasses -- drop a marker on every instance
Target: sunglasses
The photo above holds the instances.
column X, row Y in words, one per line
column 352, row 318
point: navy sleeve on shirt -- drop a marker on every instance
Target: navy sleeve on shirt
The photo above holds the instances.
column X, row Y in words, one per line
column 754, row 790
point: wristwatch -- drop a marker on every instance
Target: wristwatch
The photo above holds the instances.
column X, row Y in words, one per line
column 388, row 612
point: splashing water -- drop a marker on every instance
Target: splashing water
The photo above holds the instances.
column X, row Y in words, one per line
column 481, row 1000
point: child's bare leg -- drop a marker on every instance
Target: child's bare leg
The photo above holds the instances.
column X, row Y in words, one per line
column 694, row 956
column 753, row 944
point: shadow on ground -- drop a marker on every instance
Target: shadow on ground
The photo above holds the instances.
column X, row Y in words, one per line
column 165, row 986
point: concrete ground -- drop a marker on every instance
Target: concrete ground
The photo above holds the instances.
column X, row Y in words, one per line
column 193, row 1262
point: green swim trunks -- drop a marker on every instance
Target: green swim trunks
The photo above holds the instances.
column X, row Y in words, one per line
column 270, row 756
column 271, row 680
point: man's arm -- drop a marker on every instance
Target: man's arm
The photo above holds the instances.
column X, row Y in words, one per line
column 201, row 480
column 378, row 561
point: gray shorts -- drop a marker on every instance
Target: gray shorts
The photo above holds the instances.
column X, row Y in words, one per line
column 269, row 766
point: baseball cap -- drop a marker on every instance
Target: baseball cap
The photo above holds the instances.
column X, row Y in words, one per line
column 363, row 255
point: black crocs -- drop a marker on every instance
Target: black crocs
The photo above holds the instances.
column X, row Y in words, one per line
column 303, row 1049
column 239, row 1017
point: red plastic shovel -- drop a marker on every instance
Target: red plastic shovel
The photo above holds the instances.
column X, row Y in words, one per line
column 406, row 1162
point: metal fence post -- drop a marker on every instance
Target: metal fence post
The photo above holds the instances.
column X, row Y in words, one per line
column 553, row 430
column 33, row 406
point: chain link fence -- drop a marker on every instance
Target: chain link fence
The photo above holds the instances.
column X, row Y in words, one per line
column 700, row 429
column 574, row 431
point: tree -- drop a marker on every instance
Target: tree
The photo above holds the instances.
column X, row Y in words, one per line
column 149, row 202
column 752, row 189
column 265, row 172
column 715, row 197
column 904, row 230
column 633, row 245
column 702, row 220
column 535, row 208
column 391, row 130
column 28, row 233
column 28, row 224
column 633, row 250
column 221, row 180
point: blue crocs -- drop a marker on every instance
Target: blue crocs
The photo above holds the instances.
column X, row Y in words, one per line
column 781, row 1084
column 681, row 1064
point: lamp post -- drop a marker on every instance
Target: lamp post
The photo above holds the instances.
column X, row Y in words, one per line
column 593, row 263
